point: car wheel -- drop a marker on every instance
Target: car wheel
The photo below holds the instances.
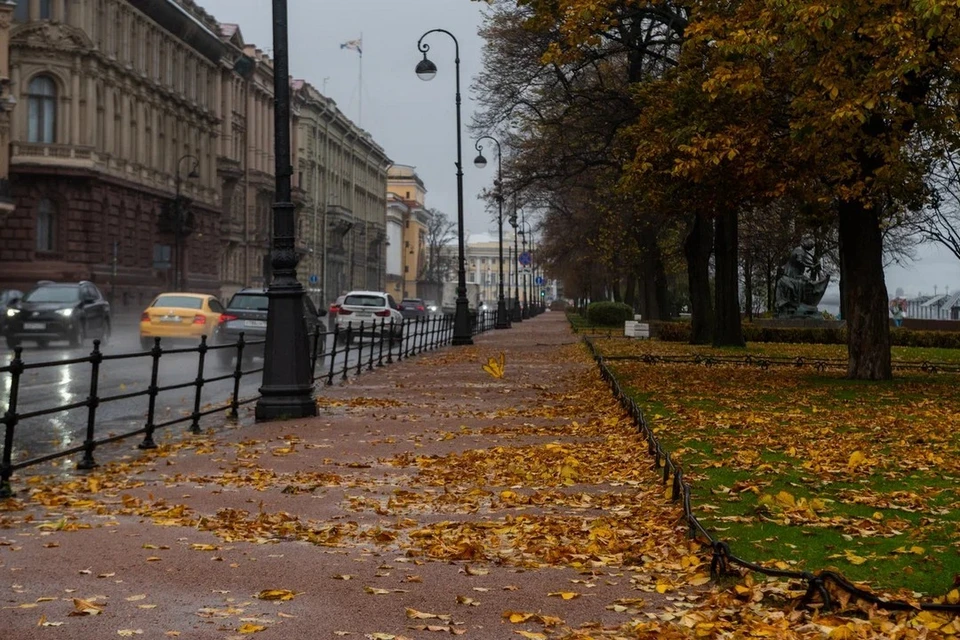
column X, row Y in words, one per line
column 342, row 338
column 78, row 335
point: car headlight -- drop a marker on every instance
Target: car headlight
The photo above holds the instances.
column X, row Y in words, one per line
column 66, row 313
column 12, row 312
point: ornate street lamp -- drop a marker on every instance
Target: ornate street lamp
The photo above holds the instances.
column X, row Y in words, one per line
column 517, row 314
column 426, row 70
column 180, row 212
column 503, row 321
column 287, row 390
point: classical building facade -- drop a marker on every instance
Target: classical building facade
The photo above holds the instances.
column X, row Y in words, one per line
column 108, row 103
column 408, row 221
column 340, row 178
column 141, row 157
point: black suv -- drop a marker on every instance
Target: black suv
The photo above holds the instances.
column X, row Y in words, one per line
column 59, row 311
column 246, row 313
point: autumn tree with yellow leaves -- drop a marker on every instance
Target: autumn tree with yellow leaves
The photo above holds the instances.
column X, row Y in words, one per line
column 839, row 106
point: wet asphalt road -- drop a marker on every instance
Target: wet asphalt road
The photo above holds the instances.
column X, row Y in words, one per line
column 60, row 385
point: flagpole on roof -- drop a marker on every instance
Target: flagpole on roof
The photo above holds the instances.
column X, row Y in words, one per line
column 360, row 88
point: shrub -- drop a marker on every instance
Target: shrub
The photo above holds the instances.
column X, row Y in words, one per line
column 680, row 332
column 670, row 331
column 609, row 314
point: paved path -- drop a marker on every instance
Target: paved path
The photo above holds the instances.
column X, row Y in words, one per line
column 428, row 498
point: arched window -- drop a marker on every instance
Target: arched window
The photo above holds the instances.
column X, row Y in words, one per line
column 41, row 109
column 46, row 226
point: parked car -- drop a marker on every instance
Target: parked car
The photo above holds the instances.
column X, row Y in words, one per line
column 413, row 308
column 246, row 313
column 7, row 298
column 371, row 308
column 59, row 311
column 179, row 316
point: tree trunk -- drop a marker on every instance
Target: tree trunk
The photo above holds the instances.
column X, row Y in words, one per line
column 728, row 332
column 864, row 293
column 769, row 275
column 630, row 293
column 696, row 248
column 661, row 292
column 748, row 283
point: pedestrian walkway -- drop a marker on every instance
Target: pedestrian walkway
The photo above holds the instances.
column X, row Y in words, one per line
column 428, row 497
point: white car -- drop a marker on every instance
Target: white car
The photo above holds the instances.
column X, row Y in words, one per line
column 374, row 309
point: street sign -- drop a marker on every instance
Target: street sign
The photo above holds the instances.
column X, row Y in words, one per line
column 525, row 258
column 538, row 280
column 313, row 278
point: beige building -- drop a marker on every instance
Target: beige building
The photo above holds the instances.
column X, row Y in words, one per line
column 117, row 107
column 340, row 178
column 407, row 226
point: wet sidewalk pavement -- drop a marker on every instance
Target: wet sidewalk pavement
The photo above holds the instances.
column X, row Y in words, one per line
column 428, row 498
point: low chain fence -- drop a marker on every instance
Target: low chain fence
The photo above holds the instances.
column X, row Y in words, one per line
column 335, row 355
column 723, row 557
column 766, row 362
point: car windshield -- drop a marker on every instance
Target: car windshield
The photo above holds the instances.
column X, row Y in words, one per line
column 54, row 294
column 181, row 302
column 364, row 301
column 249, row 302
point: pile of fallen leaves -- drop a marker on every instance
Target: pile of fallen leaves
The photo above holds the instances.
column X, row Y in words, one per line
column 562, row 482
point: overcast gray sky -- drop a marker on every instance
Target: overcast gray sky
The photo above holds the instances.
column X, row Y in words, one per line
column 415, row 121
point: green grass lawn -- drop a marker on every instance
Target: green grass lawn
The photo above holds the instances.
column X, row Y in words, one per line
column 807, row 470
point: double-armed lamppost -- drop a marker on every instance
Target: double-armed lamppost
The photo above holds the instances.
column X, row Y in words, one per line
column 503, row 321
column 517, row 314
column 287, row 390
column 427, row 70
column 179, row 222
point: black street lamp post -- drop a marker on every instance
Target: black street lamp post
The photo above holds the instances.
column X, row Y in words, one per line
column 180, row 222
column 503, row 321
column 526, row 276
column 287, row 390
column 427, row 70
column 517, row 313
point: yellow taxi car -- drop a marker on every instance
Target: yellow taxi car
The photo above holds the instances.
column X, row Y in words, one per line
column 179, row 316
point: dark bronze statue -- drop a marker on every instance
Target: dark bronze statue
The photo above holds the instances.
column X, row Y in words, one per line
column 802, row 285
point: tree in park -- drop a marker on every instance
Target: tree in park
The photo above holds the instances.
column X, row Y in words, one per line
column 868, row 90
column 559, row 112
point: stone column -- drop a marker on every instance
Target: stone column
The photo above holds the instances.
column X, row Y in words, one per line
column 75, row 107
column 7, row 88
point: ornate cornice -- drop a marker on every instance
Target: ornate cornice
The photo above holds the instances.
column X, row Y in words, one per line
column 50, row 35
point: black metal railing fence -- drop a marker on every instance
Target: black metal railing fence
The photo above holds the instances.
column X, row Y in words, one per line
column 336, row 355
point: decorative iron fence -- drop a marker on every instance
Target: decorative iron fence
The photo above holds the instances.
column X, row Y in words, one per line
column 723, row 556
column 335, row 356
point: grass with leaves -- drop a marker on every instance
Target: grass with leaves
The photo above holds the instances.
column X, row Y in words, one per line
column 807, row 470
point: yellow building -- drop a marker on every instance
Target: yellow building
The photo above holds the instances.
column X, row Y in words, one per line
column 408, row 221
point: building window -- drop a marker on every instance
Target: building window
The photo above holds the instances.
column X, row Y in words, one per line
column 45, row 9
column 161, row 256
column 41, row 109
column 21, row 13
column 46, row 225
